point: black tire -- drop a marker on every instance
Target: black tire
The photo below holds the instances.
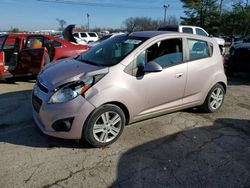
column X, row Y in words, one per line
column 207, row 105
column 88, row 129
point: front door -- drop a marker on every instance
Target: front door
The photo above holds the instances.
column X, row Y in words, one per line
column 163, row 90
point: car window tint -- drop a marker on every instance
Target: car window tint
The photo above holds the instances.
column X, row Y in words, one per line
column 92, row 34
column 166, row 53
column 200, row 32
column 56, row 43
column 76, row 35
column 198, row 49
column 83, row 35
column 187, row 30
column 34, row 42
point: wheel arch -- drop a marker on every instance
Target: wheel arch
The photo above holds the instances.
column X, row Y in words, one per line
column 123, row 108
column 223, row 85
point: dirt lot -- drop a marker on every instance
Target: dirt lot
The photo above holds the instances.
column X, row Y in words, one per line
column 182, row 149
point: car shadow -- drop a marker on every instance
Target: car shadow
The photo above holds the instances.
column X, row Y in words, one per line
column 212, row 156
column 239, row 79
column 17, row 125
column 29, row 79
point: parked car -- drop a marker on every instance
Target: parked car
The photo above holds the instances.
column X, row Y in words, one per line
column 26, row 54
column 126, row 79
column 77, row 40
column 239, row 57
column 192, row 30
column 87, row 36
column 103, row 38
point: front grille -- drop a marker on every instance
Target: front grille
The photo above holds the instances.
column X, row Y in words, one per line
column 42, row 87
column 36, row 103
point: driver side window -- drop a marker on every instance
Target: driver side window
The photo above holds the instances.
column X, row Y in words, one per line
column 166, row 53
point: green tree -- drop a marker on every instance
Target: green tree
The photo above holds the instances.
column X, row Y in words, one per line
column 202, row 13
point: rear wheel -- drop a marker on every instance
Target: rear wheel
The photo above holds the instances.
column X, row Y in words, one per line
column 104, row 126
column 214, row 99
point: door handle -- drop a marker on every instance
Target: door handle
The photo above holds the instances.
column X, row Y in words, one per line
column 178, row 75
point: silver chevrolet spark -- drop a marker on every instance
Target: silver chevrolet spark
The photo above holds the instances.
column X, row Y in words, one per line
column 126, row 79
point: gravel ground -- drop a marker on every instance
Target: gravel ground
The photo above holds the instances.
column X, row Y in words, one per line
column 183, row 149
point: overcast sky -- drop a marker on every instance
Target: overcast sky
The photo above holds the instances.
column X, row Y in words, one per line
column 36, row 15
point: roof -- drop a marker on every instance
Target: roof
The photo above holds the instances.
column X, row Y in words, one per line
column 148, row 34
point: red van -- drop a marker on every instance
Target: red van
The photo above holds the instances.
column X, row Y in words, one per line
column 26, row 54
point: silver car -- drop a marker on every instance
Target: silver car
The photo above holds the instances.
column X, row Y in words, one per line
column 126, row 79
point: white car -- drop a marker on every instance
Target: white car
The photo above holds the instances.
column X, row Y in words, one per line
column 103, row 38
column 87, row 36
column 81, row 41
column 192, row 30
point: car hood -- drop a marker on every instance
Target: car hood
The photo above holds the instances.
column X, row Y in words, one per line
column 67, row 70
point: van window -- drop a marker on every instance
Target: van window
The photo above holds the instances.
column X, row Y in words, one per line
column 187, row 30
column 92, row 34
column 198, row 49
column 76, row 35
column 83, row 35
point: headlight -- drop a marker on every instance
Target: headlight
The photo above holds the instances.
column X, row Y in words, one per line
column 71, row 90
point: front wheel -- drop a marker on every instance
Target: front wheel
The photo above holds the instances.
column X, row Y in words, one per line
column 214, row 99
column 104, row 126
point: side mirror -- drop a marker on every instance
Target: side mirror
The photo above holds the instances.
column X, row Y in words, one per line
column 152, row 67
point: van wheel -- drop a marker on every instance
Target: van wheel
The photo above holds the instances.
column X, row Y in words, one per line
column 104, row 125
column 214, row 99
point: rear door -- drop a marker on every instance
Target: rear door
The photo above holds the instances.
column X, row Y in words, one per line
column 31, row 58
column 200, row 69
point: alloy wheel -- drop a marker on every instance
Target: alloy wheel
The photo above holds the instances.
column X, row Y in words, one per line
column 216, row 98
column 107, row 127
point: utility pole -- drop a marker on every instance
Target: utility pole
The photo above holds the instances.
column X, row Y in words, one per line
column 165, row 11
column 88, row 20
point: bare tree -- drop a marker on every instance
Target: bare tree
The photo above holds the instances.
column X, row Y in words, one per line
column 61, row 23
column 145, row 23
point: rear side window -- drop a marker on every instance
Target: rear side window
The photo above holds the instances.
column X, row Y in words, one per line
column 187, row 30
column 200, row 32
column 92, row 34
column 83, row 35
column 198, row 49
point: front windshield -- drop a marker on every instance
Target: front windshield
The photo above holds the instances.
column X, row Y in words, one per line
column 2, row 39
column 112, row 51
